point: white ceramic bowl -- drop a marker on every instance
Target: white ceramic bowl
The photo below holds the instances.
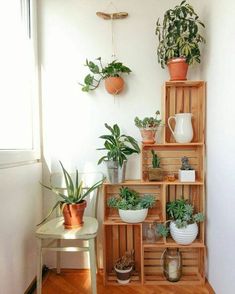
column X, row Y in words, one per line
column 184, row 236
column 133, row 216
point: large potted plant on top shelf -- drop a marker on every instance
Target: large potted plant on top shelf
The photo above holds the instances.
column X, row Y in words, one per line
column 179, row 40
column 72, row 203
column 183, row 222
column 111, row 74
column 118, row 147
column 132, row 208
column 148, row 127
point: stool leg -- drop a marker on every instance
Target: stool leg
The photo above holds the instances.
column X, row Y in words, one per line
column 39, row 266
column 58, row 257
column 92, row 265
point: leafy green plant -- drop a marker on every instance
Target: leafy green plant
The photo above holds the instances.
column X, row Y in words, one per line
column 125, row 262
column 155, row 160
column 148, row 122
column 99, row 73
column 130, row 200
column 118, row 146
column 182, row 213
column 179, row 35
column 73, row 193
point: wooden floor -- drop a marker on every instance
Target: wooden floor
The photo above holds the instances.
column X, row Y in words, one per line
column 78, row 281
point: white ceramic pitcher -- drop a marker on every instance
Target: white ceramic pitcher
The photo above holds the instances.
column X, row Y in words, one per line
column 183, row 132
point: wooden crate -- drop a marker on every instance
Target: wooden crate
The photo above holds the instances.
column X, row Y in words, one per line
column 154, row 213
column 195, row 195
column 171, row 155
column 184, row 96
column 193, row 272
column 119, row 239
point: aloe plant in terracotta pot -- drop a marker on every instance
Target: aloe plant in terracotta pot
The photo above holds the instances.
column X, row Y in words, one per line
column 72, row 201
column 111, row 74
column 179, row 40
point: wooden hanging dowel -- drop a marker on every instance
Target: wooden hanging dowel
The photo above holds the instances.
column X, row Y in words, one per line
column 117, row 15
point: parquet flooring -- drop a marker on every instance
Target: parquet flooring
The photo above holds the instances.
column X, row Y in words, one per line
column 78, row 282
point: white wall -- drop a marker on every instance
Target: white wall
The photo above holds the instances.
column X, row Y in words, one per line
column 20, row 211
column 218, row 66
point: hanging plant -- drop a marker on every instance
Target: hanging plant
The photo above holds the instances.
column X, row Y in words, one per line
column 114, row 83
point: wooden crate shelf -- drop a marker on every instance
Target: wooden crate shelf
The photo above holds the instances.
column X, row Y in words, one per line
column 120, row 238
column 171, row 158
column 192, row 266
column 187, row 96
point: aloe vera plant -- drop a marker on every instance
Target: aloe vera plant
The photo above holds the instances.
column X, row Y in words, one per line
column 73, row 193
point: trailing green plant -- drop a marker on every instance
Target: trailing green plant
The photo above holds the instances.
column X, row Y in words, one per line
column 155, row 160
column 72, row 193
column 148, row 122
column 131, row 200
column 182, row 213
column 179, row 35
column 117, row 145
column 99, row 73
column 125, row 262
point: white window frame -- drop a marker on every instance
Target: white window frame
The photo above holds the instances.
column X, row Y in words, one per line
column 14, row 157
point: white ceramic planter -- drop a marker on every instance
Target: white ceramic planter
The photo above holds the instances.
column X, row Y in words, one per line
column 187, row 175
column 123, row 276
column 184, row 236
column 133, row 216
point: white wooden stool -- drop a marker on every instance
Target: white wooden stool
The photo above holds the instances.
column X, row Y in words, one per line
column 54, row 231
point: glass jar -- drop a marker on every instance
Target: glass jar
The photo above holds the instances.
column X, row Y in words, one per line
column 172, row 264
column 150, row 234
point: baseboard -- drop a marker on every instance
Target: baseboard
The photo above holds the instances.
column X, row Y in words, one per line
column 33, row 285
column 209, row 288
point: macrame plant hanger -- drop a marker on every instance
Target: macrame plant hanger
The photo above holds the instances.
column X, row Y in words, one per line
column 112, row 16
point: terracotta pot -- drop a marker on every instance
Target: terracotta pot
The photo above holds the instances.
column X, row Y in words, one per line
column 156, row 174
column 148, row 135
column 73, row 215
column 177, row 68
column 114, row 85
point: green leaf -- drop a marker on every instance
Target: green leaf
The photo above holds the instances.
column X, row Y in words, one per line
column 49, row 214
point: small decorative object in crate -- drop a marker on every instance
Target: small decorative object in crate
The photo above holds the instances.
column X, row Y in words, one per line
column 186, row 172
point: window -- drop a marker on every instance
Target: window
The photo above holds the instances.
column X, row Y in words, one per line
column 19, row 115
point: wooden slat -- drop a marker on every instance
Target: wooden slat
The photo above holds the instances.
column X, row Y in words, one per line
column 122, row 240
column 115, row 247
column 129, row 235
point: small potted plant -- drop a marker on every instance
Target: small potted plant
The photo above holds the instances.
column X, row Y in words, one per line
column 179, row 40
column 118, row 147
column 123, row 268
column 131, row 207
column 183, row 222
column 72, row 201
column 148, row 127
column 111, row 74
column 155, row 172
column 186, row 172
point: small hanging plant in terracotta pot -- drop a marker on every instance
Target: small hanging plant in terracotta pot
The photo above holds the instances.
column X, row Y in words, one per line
column 72, row 201
column 148, row 128
column 111, row 74
column 179, row 40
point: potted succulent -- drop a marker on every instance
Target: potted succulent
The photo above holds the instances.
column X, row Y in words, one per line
column 186, row 172
column 118, row 147
column 114, row 83
column 72, row 203
column 179, row 40
column 155, row 172
column 148, row 127
column 123, row 268
column 131, row 207
column 183, row 222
